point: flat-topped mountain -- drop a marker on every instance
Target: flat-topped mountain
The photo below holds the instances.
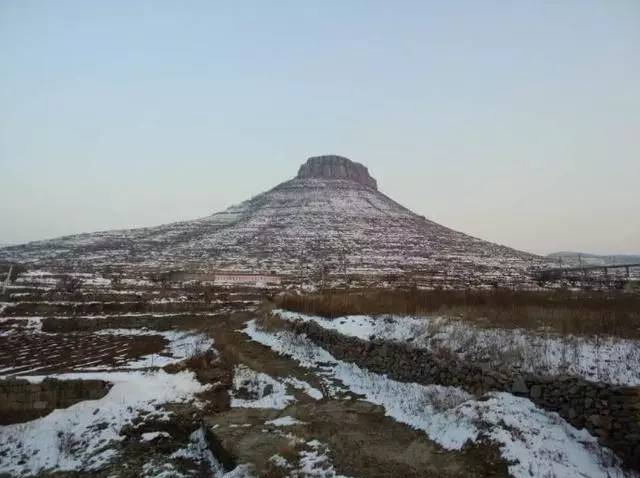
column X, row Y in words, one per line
column 329, row 219
column 336, row 167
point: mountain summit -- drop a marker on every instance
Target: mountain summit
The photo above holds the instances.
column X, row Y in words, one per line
column 336, row 167
column 330, row 218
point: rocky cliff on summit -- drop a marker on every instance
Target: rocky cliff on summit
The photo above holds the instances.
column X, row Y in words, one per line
column 336, row 167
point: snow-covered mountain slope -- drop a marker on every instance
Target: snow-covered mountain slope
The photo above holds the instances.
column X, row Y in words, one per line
column 330, row 217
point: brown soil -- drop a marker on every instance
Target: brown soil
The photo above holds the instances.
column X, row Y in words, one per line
column 47, row 353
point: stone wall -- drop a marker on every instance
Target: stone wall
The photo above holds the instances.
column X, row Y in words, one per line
column 84, row 324
column 610, row 413
column 21, row 400
column 28, row 309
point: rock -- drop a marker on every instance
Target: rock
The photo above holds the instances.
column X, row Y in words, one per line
column 519, row 386
column 489, row 382
column 606, row 422
column 336, row 167
column 536, row 391
column 268, row 389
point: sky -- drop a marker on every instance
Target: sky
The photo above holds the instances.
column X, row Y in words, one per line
column 513, row 121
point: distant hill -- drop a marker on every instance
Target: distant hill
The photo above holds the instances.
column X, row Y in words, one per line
column 569, row 258
column 330, row 217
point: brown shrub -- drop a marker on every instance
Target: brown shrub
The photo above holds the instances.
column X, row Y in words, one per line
column 612, row 313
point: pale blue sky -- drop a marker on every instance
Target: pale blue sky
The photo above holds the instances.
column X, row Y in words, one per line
column 514, row 121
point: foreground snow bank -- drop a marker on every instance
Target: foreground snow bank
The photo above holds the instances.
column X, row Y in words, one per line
column 313, row 462
column 198, row 450
column 286, row 421
column 78, row 437
column 539, row 443
column 611, row 360
column 253, row 389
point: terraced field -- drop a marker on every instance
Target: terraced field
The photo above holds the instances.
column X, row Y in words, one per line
column 208, row 381
column 57, row 353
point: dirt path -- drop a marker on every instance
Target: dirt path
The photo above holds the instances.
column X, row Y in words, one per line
column 363, row 442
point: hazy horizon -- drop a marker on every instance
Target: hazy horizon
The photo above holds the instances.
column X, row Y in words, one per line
column 517, row 124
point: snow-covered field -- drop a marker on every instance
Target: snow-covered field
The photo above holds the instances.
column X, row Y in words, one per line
column 536, row 442
column 611, row 360
column 84, row 437
column 197, row 450
column 313, row 462
column 81, row 437
column 94, row 434
column 263, row 391
column 28, row 350
column 268, row 392
column 181, row 345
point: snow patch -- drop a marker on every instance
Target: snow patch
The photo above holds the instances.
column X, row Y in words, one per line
column 315, row 462
column 150, row 436
column 304, row 386
column 81, row 437
column 611, row 360
column 181, row 346
column 286, row 421
column 539, row 443
column 260, row 390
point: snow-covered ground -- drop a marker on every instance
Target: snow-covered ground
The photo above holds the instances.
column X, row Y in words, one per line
column 313, row 462
column 262, row 390
column 285, row 421
column 198, row 450
column 253, row 389
column 81, row 437
column 611, row 360
column 93, row 435
column 181, row 345
column 536, row 442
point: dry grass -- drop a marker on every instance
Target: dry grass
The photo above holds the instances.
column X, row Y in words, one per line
column 579, row 313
